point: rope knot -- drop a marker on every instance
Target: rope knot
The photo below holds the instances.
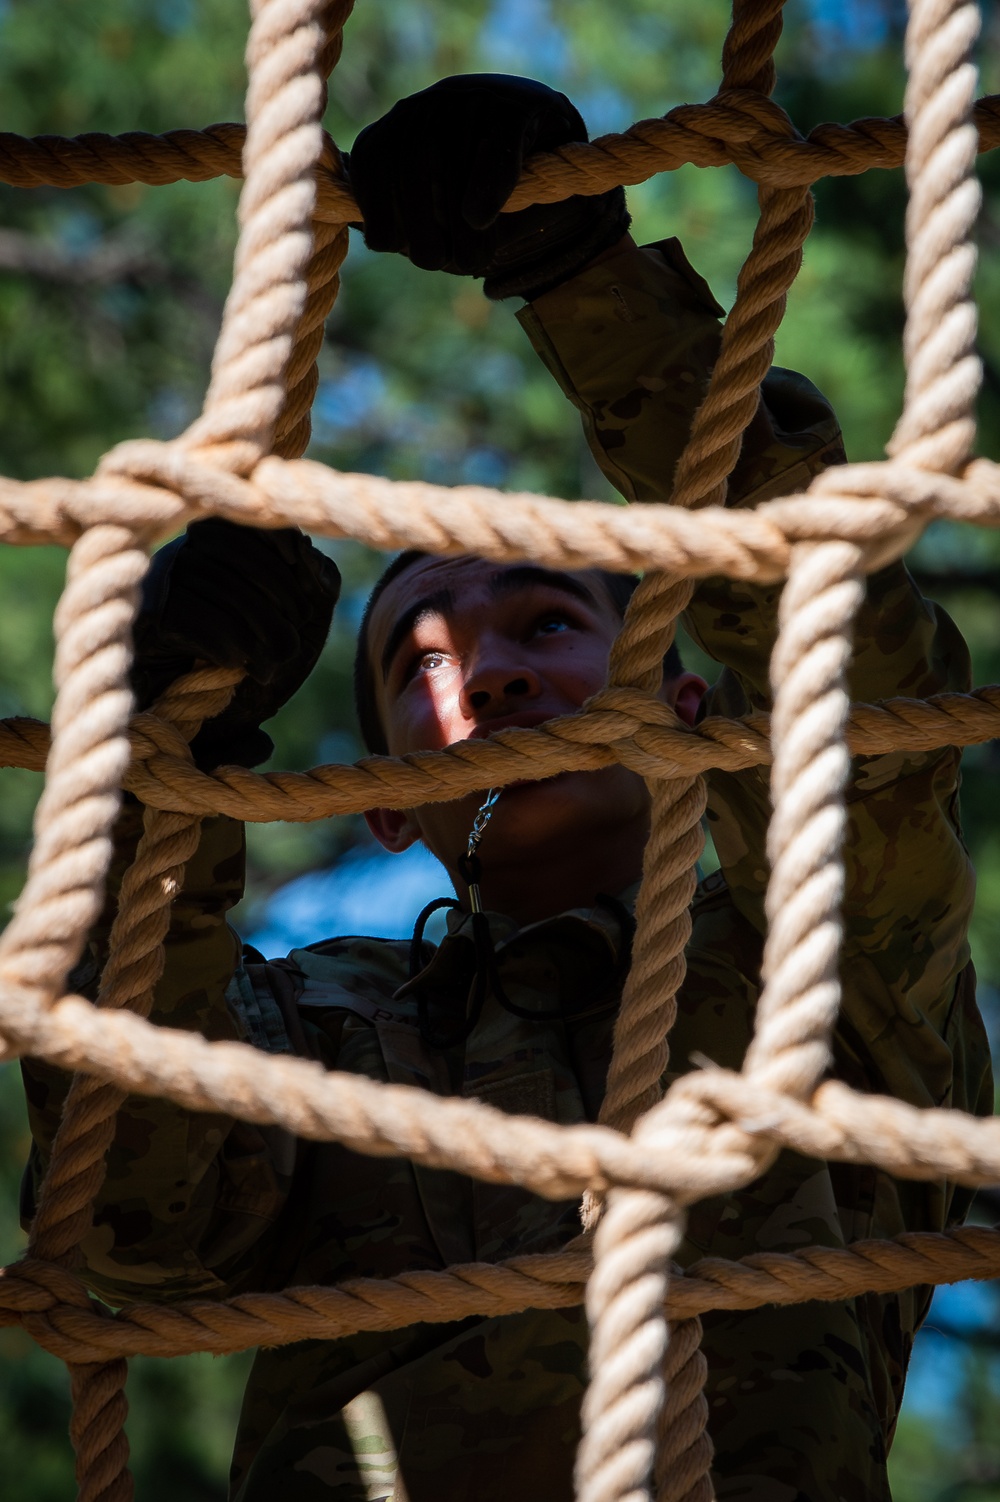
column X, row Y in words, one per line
column 205, row 480
column 756, row 118
column 33, row 1286
column 633, row 722
column 888, row 507
column 756, row 130
column 696, row 1129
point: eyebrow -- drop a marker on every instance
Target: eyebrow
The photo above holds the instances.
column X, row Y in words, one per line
column 528, row 575
column 436, row 604
column 503, row 582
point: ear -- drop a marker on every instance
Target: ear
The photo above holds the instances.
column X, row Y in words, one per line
column 394, row 828
column 684, row 695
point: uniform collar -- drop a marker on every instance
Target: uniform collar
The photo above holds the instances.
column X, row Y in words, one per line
column 584, row 944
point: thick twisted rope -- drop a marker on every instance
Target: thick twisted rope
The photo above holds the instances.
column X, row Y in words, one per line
column 632, row 728
column 286, row 94
column 714, row 1131
column 134, row 966
column 152, row 486
column 801, row 996
column 61, row 900
column 623, row 1410
column 683, row 1458
column 735, row 127
column 322, row 275
column 702, row 1156
column 633, row 1244
column 712, row 449
column 663, row 910
column 85, row 766
column 87, row 1126
column 56, row 1310
column 267, row 312
column 943, row 373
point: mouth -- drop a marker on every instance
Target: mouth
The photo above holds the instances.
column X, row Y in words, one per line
column 525, row 721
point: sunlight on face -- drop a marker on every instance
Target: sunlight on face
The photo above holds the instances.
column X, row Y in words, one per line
column 462, row 647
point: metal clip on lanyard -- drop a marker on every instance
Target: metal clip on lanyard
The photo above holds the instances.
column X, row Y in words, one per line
column 487, row 976
column 470, row 865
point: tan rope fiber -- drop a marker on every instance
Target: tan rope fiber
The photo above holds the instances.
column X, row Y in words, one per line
column 737, row 128
column 59, row 903
column 256, row 392
column 647, row 1158
column 54, row 1307
column 626, row 1292
column 286, row 94
column 943, row 374
column 626, row 726
column 647, row 1405
column 684, row 1453
column 86, row 1130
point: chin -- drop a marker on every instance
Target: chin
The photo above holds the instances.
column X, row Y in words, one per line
column 572, row 804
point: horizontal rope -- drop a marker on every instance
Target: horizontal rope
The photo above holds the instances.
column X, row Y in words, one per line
column 713, row 1132
column 162, row 774
column 54, row 1307
column 882, row 507
column 738, row 127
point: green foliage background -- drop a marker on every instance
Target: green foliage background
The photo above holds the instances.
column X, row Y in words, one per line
column 109, row 304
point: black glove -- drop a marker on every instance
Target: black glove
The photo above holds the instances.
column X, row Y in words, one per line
column 235, row 597
column 432, row 175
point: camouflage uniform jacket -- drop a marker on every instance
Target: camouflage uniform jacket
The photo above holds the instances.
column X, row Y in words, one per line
column 802, row 1400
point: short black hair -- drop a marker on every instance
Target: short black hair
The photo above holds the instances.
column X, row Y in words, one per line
column 620, row 588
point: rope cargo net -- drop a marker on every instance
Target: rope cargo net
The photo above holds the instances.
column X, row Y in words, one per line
column 649, row 1155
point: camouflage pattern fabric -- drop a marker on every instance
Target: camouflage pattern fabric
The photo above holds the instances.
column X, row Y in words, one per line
column 802, row 1401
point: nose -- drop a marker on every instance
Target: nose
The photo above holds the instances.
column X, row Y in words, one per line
column 496, row 682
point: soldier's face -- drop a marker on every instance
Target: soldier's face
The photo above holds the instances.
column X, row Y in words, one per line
column 461, row 648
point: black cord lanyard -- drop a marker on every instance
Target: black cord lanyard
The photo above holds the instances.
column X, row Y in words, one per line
column 487, row 974
column 471, row 868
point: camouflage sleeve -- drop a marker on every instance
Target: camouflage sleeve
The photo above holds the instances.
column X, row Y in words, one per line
column 802, row 1401
column 632, row 341
column 187, row 1194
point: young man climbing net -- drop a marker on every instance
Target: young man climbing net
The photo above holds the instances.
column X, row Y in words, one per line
column 518, row 1008
column 652, row 1155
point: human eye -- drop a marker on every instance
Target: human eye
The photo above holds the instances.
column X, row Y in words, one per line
column 425, row 660
column 554, row 622
column 428, row 661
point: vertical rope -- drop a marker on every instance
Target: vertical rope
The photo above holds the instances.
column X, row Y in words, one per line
column 69, row 860
column 135, row 963
column 663, row 914
column 745, row 355
column 681, row 1471
column 97, row 1431
column 634, row 1391
column 801, row 996
column 798, row 1007
column 633, row 1244
column 264, row 311
column 937, row 428
column 86, row 1130
column 330, row 243
column 294, row 425
column 62, row 897
column 748, row 51
column 263, row 381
